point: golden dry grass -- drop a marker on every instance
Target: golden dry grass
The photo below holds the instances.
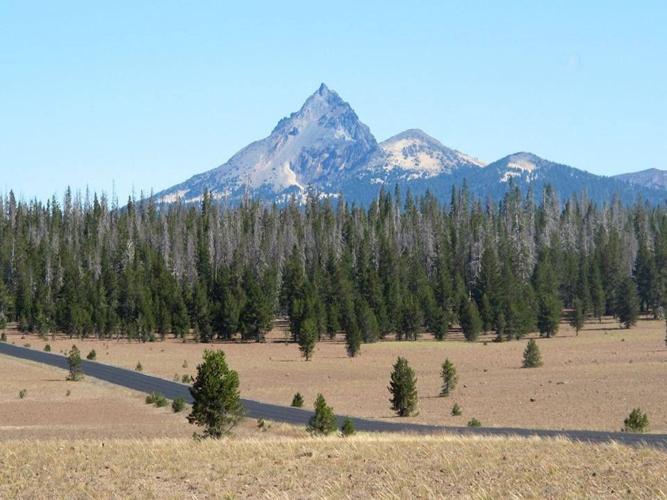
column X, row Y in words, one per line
column 590, row 381
column 363, row 466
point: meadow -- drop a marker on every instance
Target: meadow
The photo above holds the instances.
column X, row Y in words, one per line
column 589, row 381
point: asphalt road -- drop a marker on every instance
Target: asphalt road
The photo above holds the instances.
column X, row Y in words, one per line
column 255, row 409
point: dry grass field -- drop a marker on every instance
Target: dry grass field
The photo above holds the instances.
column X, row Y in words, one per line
column 362, row 466
column 590, row 381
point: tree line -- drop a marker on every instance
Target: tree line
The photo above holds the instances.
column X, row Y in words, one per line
column 86, row 266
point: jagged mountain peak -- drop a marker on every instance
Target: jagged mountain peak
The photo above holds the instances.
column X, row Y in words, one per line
column 310, row 147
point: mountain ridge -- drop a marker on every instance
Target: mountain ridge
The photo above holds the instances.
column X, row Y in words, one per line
column 326, row 148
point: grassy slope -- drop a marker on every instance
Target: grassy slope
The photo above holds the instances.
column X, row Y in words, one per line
column 362, row 466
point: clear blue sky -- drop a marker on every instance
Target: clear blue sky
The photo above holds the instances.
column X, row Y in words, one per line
column 145, row 94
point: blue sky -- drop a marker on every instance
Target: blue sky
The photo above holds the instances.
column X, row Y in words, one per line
column 144, row 94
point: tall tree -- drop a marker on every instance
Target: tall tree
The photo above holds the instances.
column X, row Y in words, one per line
column 403, row 388
column 217, row 403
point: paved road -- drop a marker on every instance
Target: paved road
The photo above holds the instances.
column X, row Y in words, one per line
column 255, row 409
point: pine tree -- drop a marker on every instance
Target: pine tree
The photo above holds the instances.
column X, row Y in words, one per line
column 74, row 364
column 471, row 324
column 403, row 388
column 256, row 315
column 297, row 400
column 500, row 327
column 531, row 355
column 352, row 339
column 576, row 316
column 217, row 403
column 411, row 318
column 323, row 421
column 201, row 313
column 347, row 429
column 548, row 316
column 627, row 303
column 307, row 338
column 449, row 378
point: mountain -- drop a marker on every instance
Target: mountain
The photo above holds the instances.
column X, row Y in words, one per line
column 527, row 169
column 325, row 148
column 652, row 178
column 319, row 144
column 414, row 154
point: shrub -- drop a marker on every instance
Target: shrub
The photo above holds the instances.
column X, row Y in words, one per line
column 297, row 400
column 347, row 428
column 217, row 403
column 68, row 393
column 185, row 363
column 157, row 399
column 92, row 355
column 176, row 377
column 160, row 401
column 323, row 421
column 531, row 356
column 473, row 422
column 74, row 364
column 186, row 379
column 23, row 393
column 47, row 348
column 403, row 388
column 3, row 337
column 178, row 405
column 637, row 421
column 456, row 410
column 139, row 368
column 449, row 378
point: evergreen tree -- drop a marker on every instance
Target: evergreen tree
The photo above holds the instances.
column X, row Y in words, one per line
column 307, row 338
column 576, row 316
column 323, row 421
column 531, row 355
column 297, row 400
column 471, row 324
column 403, row 388
column 410, row 320
column 256, row 315
column 598, row 299
column 201, row 313
column 500, row 327
column 352, row 340
column 548, row 316
column 627, row 303
column 74, row 364
column 368, row 324
column 217, row 403
column 449, row 378
column 347, row 429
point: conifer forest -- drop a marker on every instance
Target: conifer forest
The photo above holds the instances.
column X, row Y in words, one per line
column 402, row 266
